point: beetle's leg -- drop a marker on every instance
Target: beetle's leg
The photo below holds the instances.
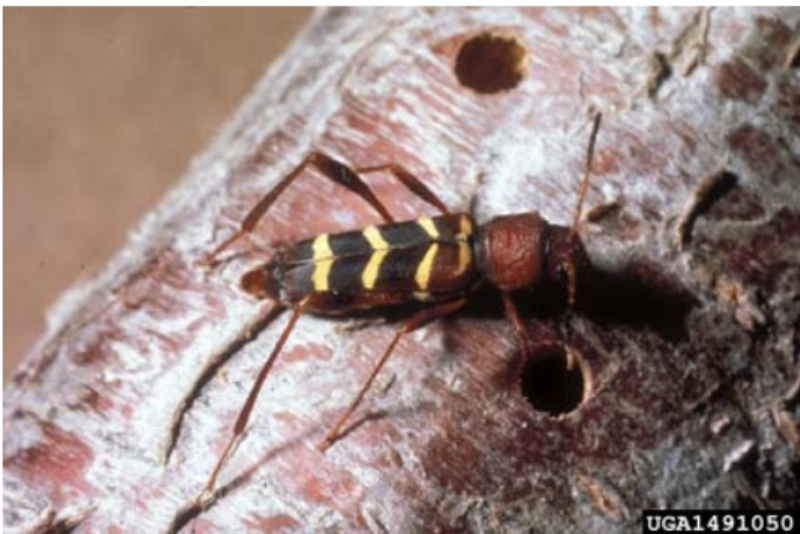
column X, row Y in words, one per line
column 418, row 320
column 519, row 327
column 330, row 168
column 247, row 408
column 512, row 314
column 411, row 182
column 544, row 337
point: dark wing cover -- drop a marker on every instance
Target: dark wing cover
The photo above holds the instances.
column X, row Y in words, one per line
column 398, row 262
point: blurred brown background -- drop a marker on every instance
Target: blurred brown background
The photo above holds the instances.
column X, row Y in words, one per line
column 103, row 109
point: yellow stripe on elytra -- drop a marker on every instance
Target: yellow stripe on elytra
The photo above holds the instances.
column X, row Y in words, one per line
column 323, row 261
column 381, row 249
column 464, row 257
column 429, row 226
column 423, row 276
column 375, row 239
column 373, row 269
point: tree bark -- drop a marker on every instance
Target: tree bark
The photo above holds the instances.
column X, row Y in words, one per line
column 681, row 380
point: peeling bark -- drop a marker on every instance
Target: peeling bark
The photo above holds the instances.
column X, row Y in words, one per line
column 684, row 342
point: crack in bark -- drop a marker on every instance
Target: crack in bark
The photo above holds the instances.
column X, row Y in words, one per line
column 691, row 42
column 693, row 39
column 711, row 187
column 599, row 212
column 59, row 525
column 607, row 501
column 659, row 71
column 212, row 367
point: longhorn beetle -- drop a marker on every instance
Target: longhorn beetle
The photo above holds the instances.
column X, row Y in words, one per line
column 434, row 260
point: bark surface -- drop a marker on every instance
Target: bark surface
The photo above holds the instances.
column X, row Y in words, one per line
column 685, row 339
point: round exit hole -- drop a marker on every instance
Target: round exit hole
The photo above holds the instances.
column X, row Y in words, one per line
column 491, row 62
column 555, row 381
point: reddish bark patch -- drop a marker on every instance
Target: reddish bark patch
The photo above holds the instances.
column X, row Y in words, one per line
column 93, row 400
column 324, row 483
column 738, row 204
column 308, row 352
column 757, row 148
column 95, row 352
column 60, row 459
column 783, row 229
column 446, row 458
column 340, row 486
column 769, row 50
column 739, row 81
column 272, row 524
column 787, row 103
column 761, row 259
column 605, row 162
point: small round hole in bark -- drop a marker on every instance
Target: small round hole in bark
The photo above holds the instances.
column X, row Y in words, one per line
column 491, row 62
column 554, row 380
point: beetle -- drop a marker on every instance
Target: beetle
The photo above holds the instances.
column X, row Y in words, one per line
column 436, row 261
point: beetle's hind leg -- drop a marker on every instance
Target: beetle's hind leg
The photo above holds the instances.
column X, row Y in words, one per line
column 244, row 414
column 410, row 182
column 331, row 169
column 418, row 320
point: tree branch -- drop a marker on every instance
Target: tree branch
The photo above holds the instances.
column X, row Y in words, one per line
column 673, row 383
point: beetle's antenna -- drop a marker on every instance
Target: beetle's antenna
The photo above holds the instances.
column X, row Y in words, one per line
column 586, row 174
